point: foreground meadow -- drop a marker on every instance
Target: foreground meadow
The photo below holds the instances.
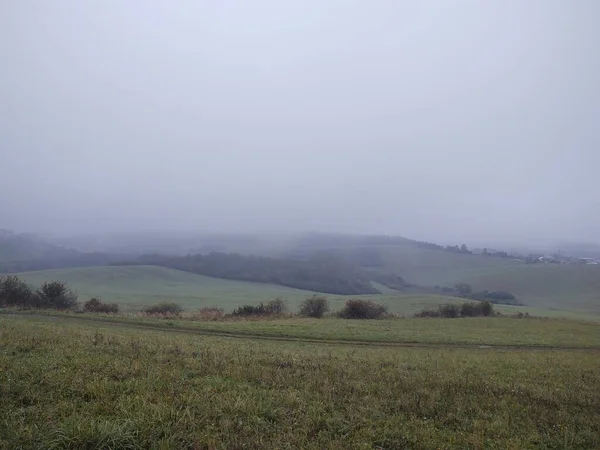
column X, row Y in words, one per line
column 70, row 385
column 499, row 331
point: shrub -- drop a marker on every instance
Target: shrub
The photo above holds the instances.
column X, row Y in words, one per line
column 467, row 309
column 167, row 308
column 363, row 309
column 486, row 308
column 55, row 295
column 250, row 310
column 315, row 306
column 14, row 292
column 275, row 307
column 428, row 313
column 92, row 305
column 95, row 305
column 449, row 310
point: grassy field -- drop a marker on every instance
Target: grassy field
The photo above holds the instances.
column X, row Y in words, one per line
column 430, row 267
column 476, row 330
column 496, row 331
column 563, row 287
column 569, row 287
column 66, row 385
column 135, row 287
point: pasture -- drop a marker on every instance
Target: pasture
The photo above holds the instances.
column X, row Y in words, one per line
column 136, row 287
column 74, row 384
column 567, row 287
column 548, row 286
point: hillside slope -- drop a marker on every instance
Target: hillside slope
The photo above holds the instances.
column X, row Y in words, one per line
column 24, row 247
column 417, row 262
column 430, row 267
column 548, row 286
column 564, row 286
column 137, row 286
column 573, row 287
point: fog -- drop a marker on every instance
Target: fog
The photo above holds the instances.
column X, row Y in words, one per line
column 445, row 121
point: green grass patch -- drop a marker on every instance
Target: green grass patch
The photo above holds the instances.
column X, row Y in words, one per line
column 484, row 330
column 505, row 331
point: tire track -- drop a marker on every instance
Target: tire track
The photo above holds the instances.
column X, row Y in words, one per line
column 266, row 337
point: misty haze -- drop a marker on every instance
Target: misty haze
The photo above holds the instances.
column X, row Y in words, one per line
column 434, row 120
column 317, row 224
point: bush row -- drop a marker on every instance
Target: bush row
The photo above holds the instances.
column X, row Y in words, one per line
column 454, row 310
column 56, row 295
column 275, row 307
column 50, row 295
column 315, row 306
column 14, row 292
column 466, row 291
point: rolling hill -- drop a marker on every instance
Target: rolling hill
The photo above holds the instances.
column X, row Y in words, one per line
column 547, row 286
column 16, row 247
column 429, row 267
column 572, row 287
column 554, row 286
column 135, row 287
column 417, row 262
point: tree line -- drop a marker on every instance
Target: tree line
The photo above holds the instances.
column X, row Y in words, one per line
column 319, row 274
column 465, row 290
column 15, row 292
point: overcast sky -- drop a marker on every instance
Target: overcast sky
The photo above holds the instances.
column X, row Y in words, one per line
column 439, row 120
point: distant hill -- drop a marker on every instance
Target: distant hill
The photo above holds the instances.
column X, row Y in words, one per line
column 343, row 264
column 25, row 247
column 321, row 274
column 580, row 250
column 175, row 243
column 135, row 287
column 572, row 287
column 20, row 252
column 556, row 286
column 420, row 263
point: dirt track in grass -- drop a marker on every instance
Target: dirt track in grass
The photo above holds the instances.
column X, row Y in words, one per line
column 132, row 324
